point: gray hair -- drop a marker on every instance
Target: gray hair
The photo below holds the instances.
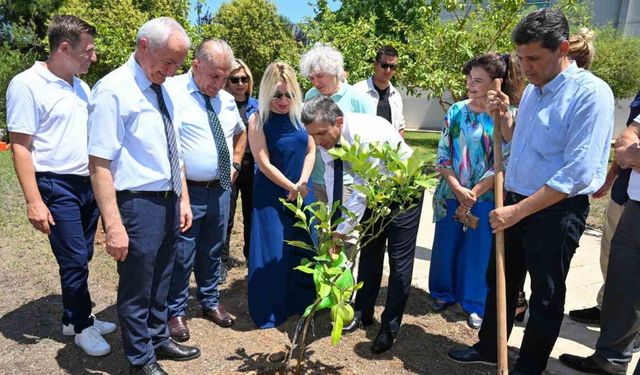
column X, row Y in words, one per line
column 322, row 58
column 320, row 109
column 158, row 30
column 216, row 52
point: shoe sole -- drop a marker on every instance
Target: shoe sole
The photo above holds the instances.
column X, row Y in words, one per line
column 585, row 321
column 161, row 357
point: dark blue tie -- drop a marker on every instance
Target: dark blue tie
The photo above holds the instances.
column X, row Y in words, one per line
column 172, row 143
column 224, row 165
column 337, row 186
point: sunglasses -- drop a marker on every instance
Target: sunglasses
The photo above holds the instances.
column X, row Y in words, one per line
column 385, row 65
column 279, row 95
column 243, row 79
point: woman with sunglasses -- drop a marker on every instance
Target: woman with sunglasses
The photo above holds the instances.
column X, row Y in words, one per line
column 285, row 155
column 240, row 85
column 324, row 67
column 462, row 244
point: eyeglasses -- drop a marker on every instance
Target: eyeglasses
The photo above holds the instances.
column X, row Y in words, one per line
column 236, row 80
column 279, row 95
column 385, row 65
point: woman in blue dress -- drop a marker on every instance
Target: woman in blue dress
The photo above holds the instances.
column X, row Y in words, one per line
column 285, row 155
column 460, row 254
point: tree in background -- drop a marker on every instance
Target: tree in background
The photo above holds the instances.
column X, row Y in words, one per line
column 256, row 33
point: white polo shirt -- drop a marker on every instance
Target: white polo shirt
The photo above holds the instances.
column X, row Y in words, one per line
column 126, row 127
column 198, row 146
column 634, row 182
column 54, row 113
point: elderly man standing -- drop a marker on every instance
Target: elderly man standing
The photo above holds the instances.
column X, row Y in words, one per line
column 559, row 156
column 135, row 166
column 329, row 126
column 46, row 116
column 212, row 132
column 384, row 97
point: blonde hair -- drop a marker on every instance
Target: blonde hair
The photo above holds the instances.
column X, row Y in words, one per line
column 581, row 48
column 276, row 73
column 237, row 65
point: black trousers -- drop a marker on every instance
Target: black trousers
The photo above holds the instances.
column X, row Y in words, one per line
column 401, row 235
column 243, row 185
column 621, row 304
column 543, row 244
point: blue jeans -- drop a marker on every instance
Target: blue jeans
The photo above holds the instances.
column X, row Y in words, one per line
column 73, row 208
column 152, row 224
column 200, row 249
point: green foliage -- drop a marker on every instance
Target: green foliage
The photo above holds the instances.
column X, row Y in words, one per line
column 390, row 181
column 256, row 33
column 616, row 61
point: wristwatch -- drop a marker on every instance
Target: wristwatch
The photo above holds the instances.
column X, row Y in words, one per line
column 237, row 166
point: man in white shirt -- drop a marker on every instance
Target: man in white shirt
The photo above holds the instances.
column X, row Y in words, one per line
column 329, row 127
column 621, row 302
column 135, row 165
column 47, row 122
column 213, row 139
column 384, row 97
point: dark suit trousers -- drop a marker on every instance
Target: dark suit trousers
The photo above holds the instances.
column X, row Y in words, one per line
column 152, row 224
column 543, row 244
column 73, row 208
column 401, row 235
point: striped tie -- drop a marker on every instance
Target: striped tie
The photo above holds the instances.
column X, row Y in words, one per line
column 174, row 156
column 224, row 163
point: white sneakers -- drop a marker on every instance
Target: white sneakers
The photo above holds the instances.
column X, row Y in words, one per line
column 91, row 341
column 104, row 327
column 474, row 321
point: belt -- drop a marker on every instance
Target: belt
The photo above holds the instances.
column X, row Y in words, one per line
column 204, row 184
column 157, row 194
column 72, row 177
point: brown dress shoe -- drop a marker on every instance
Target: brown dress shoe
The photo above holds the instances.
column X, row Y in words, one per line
column 219, row 316
column 178, row 329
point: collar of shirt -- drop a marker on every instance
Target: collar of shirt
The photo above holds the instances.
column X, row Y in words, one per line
column 372, row 88
column 193, row 89
column 138, row 74
column 46, row 74
column 553, row 85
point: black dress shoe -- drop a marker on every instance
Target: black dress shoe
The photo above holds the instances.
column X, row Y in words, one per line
column 469, row 355
column 151, row 368
column 383, row 342
column 439, row 305
column 582, row 364
column 356, row 323
column 177, row 352
column 586, row 316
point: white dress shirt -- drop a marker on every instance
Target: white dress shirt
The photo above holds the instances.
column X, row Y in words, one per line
column 198, row 146
column 395, row 101
column 126, row 127
column 54, row 113
column 371, row 129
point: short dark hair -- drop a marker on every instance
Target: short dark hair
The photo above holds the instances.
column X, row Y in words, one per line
column 321, row 109
column 386, row 50
column 67, row 28
column 548, row 26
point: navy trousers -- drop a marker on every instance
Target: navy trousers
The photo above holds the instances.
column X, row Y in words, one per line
column 542, row 243
column 152, row 224
column 244, row 186
column 199, row 249
column 401, row 235
column 73, row 207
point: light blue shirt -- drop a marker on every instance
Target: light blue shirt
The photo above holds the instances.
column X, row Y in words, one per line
column 126, row 127
column 198, row 146
column 563, row 135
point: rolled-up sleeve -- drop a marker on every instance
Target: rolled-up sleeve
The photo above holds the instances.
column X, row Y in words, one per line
column 106, row 128
column 588, row 142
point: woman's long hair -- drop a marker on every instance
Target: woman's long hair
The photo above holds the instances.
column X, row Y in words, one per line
column 275, row 73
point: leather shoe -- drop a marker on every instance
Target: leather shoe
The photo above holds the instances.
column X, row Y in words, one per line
column 218, row 315
column 469, row 355
column 178, row 329
column 582, row 364
column 356, row 323
column 177, row 352
column 383, row 342
column 439, row 305
column 151, row 368
column 590, row 315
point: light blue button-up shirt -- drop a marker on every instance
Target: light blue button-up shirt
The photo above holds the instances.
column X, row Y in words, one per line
column 562, row 135
column 126, row 127
column 198, row 146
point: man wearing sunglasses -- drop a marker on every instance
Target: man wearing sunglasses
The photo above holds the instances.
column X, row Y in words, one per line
column 385, row 98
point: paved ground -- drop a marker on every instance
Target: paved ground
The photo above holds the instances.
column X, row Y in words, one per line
column 583, row 283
